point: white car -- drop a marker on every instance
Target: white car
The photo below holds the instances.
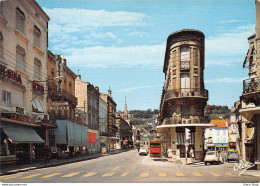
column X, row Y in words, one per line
column 213, row 157
column 143, row 151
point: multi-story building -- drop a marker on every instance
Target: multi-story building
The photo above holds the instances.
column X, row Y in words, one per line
column 217, row 138
column 62, row 103
column 184, row 96
column 250, row 99
column 88, row 101
column 23, row 67
column 103, row 129
column 124, row 132
column 233, row 131
column 111, row 119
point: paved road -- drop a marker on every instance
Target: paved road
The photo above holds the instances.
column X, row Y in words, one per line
column 129, row 167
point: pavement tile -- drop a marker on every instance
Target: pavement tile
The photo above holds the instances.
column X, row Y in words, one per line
column 180, row 174
column 50, row 175
column 89, row 174
column 197, row 174
column 214, row 174
column 70, row 175
column 108, row 174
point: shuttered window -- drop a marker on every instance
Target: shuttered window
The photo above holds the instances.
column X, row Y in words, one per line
column 20, row 20
column 20, row 58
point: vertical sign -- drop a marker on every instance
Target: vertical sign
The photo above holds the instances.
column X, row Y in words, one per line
column 110, row 117
column 59, row 68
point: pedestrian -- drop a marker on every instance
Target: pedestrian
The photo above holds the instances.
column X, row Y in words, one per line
column 170, row 155
column 192, row 154
column 47, row 154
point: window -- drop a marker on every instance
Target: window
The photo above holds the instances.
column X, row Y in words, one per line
column 218, row 140
column 20, row 58
column 218, row 132
column 37, row 36
column 224, row 132
column 20, row 20
column 196, row 57
column 224, row 140
column 37, row 69
column 185, row 53
column 6, row 97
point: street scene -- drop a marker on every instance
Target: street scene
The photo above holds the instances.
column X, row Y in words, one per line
column 136, row 169
column 129, row 92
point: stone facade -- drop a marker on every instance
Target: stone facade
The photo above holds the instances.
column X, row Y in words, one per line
column 23, row 66
column 184, row 96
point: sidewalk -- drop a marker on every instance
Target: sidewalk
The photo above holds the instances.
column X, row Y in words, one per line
column 255, row 173
column 15, row 168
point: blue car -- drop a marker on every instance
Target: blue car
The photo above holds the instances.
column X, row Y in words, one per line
column 232, row 156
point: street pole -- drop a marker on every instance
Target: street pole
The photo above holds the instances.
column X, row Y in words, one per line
column 186, row 147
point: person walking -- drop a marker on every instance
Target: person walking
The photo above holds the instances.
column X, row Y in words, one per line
column 170, row 155
column 192, row 154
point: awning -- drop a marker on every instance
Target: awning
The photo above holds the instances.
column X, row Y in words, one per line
column 165, row 128
column 221, row 145
column 21, row 134
column 114, row 138
column 38, row 105
column 249, row 113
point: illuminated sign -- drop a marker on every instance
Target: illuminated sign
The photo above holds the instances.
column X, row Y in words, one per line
column 18, row 117
column 37, row 87
column 7, row 73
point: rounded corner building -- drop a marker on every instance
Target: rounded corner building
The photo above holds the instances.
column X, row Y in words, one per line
column 184, row 96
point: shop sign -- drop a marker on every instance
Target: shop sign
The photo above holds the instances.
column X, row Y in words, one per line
column 18, row 117
column 7, row 73
column 60, row 106
column 37, row 87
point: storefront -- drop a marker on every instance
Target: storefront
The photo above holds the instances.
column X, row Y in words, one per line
column 71, row 137
column 17, row 141
column 112, row 141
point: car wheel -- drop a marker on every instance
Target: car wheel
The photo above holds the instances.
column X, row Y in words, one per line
column 205, row 163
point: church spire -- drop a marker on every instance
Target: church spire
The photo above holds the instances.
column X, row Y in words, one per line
column 125, row 110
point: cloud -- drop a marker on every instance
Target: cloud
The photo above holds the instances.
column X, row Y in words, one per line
column 226, row 80
column 229, row 47
column 136, row 88
column 72, row 20
column 100, row 56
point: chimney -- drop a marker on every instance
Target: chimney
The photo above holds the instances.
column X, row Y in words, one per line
column 109, row 92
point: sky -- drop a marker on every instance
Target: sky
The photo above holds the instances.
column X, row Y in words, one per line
column 121, row 44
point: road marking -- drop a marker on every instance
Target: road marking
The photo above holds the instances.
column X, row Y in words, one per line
column 70, row 175
column 228, row 173
column 115, row 168
column 215, row 174
column 10, row 177
column 197, row 174
column 50, row 175
column 124, row 174
column 162, row 174
column 89, row 174
column 180, row 174
column 144, row 175
column 108, row 174
column 31, row 176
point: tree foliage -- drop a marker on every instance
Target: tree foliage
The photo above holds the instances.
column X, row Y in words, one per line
column 217, row 112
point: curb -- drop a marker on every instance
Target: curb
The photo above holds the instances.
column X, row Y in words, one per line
column 57, row 164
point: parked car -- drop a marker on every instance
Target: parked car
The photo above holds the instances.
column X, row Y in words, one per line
column 143, row 151
column 213, row 157
column 232, row 156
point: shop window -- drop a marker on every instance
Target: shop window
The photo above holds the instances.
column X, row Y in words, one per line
column 37, row 69
column 20, row 20
column 37, row 36
column 6, row 97
column 20, row 58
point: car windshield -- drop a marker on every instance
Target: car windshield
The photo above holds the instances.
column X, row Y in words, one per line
column 210, row 153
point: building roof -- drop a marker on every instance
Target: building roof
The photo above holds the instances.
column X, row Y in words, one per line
column 220, row 123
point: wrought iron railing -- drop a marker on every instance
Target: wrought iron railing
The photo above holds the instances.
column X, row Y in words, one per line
column 191, row 119
column 251, row 85
column 186, row 92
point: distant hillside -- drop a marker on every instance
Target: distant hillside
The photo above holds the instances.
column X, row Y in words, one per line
column 217, row 111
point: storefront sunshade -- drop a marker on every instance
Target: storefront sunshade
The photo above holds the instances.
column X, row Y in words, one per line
column 21, row 134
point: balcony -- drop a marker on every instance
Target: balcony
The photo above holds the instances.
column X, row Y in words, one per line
column 251, row 85
column 185, row 65
column 185, row 119
column 185, row 92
